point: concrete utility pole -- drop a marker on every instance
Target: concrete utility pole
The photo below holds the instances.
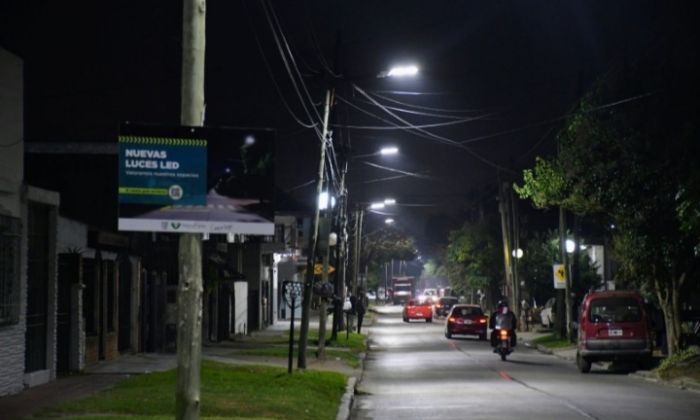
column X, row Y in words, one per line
column 341, row 254
column 190, row 288
column 310, row 264
column 504, row 208
column 561, row 320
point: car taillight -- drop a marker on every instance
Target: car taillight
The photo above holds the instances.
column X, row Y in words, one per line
column 482, row 320
column 504, row 334
column 451, row 319
column 438, row 305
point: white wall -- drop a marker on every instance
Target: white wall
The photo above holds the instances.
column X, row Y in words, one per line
column 11, row 178
column 240, row 325
column 11, row 133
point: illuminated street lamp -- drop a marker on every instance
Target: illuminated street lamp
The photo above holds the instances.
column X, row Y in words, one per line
column 377, row 206
column 403, row 71
column 518, row 253
column 389, row 201
column 384, row 151
column 389, row 221
column 389, row 150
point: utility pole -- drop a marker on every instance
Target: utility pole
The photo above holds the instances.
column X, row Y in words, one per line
column 341, row 260
column 190, row 288
column 504, row 209
column 323, row 315
column 562, row 319
column 310, row 264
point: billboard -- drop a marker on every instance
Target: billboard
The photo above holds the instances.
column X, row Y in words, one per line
column 196, row 179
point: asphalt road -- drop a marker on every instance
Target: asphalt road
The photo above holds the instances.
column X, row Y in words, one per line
column 413, row 372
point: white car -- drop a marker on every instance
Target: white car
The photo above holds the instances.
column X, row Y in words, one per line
column 547, row 314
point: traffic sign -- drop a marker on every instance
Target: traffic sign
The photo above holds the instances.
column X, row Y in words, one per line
column 318, row 269
column 559, row 274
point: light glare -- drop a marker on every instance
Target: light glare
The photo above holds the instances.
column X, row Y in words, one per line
column 403, row 71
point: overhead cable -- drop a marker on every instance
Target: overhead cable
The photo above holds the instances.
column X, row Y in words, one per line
column 386, row 168
column 272, row 77
column 394, row 126
column 441, row 139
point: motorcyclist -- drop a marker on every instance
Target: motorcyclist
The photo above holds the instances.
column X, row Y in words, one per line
column 503, row 318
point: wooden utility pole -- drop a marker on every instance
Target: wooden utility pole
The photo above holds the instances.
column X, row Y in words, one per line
column 310, row 264
column 189, row 292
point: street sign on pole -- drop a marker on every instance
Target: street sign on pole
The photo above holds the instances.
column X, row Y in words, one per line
column 559, row 274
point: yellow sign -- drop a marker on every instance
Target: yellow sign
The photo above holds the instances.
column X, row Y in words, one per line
column 559, row 271
column 318, row 269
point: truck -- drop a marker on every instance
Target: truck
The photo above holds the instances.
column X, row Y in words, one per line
column 404, row 289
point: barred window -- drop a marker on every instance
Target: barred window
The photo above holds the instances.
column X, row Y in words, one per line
column 9, row 269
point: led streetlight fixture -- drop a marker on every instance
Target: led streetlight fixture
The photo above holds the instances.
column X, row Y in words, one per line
column 389, row 150
column 518, row 253
column 323, row 200
column 376, row 206
column 403, row 71
column 389, row 221
column 389, row 201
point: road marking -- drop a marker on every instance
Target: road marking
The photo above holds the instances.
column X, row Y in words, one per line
column 504, row 375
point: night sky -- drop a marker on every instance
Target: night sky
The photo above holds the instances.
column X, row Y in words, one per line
column 90, row 65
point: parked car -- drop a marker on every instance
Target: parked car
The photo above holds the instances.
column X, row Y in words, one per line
column 613, row 325
column 416, row 309
column 548, row 313
column 444, row 304
column 466, row 320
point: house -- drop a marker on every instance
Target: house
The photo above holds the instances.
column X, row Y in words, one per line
column 28, row 258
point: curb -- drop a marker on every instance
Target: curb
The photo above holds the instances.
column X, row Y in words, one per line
column 685, row 384
column 347, row 400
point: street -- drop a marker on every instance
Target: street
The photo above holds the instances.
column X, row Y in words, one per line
column 413, row 372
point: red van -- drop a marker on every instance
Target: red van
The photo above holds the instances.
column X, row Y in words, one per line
column 613, row 325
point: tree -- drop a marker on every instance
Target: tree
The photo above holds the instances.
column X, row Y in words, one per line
column 474, row 259
column 629, row 164
column 383, row 245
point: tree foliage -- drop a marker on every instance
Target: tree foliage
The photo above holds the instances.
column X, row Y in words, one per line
column 385, row 244
column 474, row 258
column 631, row 164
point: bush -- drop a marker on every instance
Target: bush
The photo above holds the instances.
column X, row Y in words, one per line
column 679, row 362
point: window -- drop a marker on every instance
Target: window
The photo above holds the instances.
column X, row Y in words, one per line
column 9, row 270
column 615, row 310
column 467, row 311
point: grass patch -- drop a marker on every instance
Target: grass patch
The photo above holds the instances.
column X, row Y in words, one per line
column 350, row 358
column 355, row 342
column 228, row 392
column 552, row 341
column 684, row 363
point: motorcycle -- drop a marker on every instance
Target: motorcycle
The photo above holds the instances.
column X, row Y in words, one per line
column 503, row 346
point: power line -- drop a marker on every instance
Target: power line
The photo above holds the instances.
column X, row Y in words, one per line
column 441, row 139
column 394, row 126
column 272, row 77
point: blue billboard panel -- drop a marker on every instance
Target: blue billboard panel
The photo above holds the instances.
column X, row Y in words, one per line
column 162, row 170
column 196, row 180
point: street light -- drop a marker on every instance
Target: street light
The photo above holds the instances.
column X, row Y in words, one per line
column 570, row 246
column 384, row 151
column 389, row 221
column 518, row 253
column 389, row 201
column 377, row 206
column 403, row 71
column 389, row 150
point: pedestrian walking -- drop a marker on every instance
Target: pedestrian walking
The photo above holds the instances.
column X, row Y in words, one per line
column 360, row 309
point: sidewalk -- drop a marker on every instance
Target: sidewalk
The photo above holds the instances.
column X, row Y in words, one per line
column 569, row 354
column 566, row 353
column 105, row 375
